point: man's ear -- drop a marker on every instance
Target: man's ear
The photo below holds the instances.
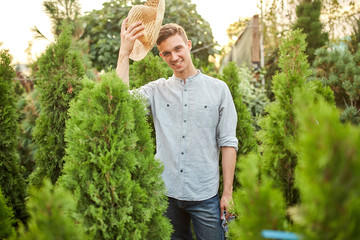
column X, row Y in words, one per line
column 189, row 44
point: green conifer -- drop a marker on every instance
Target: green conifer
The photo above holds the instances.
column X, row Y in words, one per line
column 339, row 69
column 58, row 81
column 278, row 128
column 50, row 208
column 149, row 69
column 11, row 181
column 308, row 13
column 244, row 129
column 110, row 164
column 6, row 219
column 258, row 205
column 328, row 173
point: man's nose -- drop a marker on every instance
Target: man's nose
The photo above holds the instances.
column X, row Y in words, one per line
column 174, row 56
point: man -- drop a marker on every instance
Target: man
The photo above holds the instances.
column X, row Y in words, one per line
column 194, row 117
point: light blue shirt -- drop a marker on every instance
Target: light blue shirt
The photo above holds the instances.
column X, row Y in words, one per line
column 192, row 121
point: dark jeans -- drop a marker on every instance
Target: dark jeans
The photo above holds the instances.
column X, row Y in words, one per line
column 205, row 216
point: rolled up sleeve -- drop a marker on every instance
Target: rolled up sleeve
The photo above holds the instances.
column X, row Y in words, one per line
column 226, row 129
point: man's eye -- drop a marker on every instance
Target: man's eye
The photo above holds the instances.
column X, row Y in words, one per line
column 165, row 54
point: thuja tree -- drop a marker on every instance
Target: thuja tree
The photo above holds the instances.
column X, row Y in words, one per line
column 149, row 69
column 257, row 205
column 244, row 128
column 6, row 219
column 327, row 174
column 11, row 181
column 278, row 128
column 58, row 81
column 50, row 208
column 339, row 69
column 253, row 95
column 110, row 164
column 29, row 106
column 308, row 19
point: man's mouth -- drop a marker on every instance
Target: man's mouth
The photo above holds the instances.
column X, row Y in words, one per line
column 177, row 63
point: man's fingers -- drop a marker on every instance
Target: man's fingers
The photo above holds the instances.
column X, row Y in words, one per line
column 123, row 25
column 135, row 26
column 222, row 209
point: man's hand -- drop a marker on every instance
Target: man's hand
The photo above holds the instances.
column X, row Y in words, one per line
column 129, row 35
column 225, row 205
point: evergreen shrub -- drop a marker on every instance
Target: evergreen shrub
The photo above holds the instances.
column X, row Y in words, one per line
column 308, row 20
column 58, row 81
column 30, row 109
column 339, row 69
column 278, row 128
column 257, row 205
column 149, row 69
column 7, row 219
column 244, row 129
column 11, row 181
column 50, row 208
column 328, row 173
column 110, row 164
column 253, row 95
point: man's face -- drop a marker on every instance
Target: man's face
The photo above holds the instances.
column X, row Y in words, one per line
column 176, row 54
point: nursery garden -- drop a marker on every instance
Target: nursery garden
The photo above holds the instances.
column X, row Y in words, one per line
column 77, row 150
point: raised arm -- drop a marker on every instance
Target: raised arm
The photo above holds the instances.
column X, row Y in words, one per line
column 128, row 37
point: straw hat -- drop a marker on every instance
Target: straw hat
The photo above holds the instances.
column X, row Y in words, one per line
column 151, row 15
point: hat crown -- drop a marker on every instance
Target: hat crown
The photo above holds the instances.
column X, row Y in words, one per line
column 151, row 15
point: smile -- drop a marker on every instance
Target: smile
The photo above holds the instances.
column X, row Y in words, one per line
column 177, row 63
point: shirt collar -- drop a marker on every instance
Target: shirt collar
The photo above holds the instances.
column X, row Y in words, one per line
column 189, row 79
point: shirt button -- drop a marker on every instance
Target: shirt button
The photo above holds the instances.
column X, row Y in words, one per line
column 184, row 121
column 185, row 90
column 181, row 170
column 183, row 136
column 182, row 153
column 185, row 105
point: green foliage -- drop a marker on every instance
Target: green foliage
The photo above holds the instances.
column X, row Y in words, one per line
column 50, row 208
column 245, row 132
column 149, row 69
column 253, row 95
column 57, row 82
column 11, row 181
column 6, row 219
column 328, row 173
column 308, row 13
column 103, row 28
column 278, row 128
column 110, row 164
column 355, row 36
column 30, row 109
column 244, row 128
column 340, row 70
column 258, row 205
column 60, row 11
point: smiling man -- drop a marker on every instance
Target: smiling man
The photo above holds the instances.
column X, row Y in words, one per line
column 194, row 117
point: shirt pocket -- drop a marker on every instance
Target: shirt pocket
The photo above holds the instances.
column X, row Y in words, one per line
column 206, row 116
column 168, row 114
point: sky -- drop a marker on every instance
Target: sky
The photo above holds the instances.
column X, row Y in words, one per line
column 17, row 17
